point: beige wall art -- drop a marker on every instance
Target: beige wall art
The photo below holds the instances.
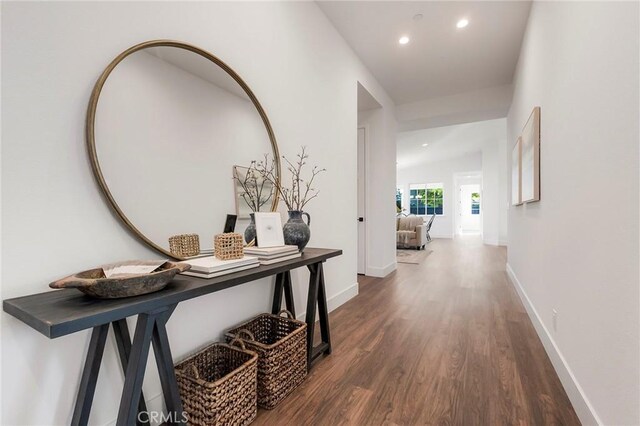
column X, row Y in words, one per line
column 516, row 176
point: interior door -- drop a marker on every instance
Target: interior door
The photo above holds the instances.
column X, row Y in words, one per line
column 362, row 224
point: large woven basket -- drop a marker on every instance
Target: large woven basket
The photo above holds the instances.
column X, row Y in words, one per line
column 218, row 385
column 281, row 345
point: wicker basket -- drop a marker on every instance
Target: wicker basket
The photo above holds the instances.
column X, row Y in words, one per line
column 228, row 246
column 184, row 245
column 281, row 345
column 218, row 385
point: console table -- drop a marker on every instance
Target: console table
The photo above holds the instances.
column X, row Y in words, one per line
column 61, row 312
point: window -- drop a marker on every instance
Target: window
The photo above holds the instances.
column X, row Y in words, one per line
column 417, row 199
column 435, row 198
column 399, row 194
column 426, row 199
column 475, row 203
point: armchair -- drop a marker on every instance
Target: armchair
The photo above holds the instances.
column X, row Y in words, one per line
column 411, row 232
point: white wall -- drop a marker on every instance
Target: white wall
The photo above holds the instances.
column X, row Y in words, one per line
column 440, row 172
column 467, row 107
column 504, row 192
column 576, row 250
column 494, row 176
column 300, row 69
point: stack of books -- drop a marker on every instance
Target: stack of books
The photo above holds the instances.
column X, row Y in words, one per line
column 269, row 255
column 211, row 267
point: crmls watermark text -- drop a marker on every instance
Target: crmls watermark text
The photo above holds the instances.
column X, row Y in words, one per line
column 157, row 417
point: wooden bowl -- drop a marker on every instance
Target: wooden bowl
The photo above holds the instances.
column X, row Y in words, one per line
column 94, row 283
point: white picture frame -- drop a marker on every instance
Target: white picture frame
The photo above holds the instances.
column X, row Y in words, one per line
column 530, row 158
column 516, row 173
column 269, row 229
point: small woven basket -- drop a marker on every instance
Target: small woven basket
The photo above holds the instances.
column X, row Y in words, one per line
column 228, row 246
column 281, row 345
column 218, row 385
column 184, row 245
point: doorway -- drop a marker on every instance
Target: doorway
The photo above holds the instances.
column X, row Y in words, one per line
column 470, row 202
column 362, row 201
column 369, row 123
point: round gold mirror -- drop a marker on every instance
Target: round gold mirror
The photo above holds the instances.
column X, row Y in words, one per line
column 168, row 127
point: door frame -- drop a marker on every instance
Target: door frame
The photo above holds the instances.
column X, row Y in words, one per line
column 459, row 180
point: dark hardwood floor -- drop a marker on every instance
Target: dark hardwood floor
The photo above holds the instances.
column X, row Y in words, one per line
column 445, row 342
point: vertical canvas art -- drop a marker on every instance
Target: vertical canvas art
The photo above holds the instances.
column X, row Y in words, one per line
column 516, row 188
column 530, row 162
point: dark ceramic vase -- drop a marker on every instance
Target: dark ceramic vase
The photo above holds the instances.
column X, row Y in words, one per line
column 296, row 232
column 250, row 232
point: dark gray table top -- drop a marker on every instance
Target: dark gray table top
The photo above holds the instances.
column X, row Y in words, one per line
column 57, row 313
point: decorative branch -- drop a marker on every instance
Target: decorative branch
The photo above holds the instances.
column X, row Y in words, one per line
column 301, row 191
column 254, row 191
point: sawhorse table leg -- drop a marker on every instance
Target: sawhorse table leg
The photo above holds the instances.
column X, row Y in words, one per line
column 283, row 285
column 317, row 298
column 150, row 329
column 316, row 302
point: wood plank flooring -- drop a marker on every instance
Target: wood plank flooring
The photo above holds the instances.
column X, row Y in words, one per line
column 445, row 342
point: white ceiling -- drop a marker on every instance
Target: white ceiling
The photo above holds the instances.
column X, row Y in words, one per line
column 440, row 60
column 445, row 143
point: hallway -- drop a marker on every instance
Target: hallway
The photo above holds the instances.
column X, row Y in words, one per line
column 444, row 342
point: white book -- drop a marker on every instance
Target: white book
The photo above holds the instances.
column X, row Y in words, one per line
column 266, row 251
column 280, row 259
column 276, row 256
column 213, row 264
column 220, row 273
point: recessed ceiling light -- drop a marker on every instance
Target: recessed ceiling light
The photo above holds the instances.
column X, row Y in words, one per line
column 403, row 40
column 425, row 144
column 462, row 23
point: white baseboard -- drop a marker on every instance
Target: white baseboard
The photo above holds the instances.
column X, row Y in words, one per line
column 342, row 297
column 336, row 300
column 374, row 271
column 585, row 411
column 441, row 235
column 494, row 242
column 155, row 404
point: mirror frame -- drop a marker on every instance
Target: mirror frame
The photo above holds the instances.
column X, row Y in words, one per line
column 91, row 118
